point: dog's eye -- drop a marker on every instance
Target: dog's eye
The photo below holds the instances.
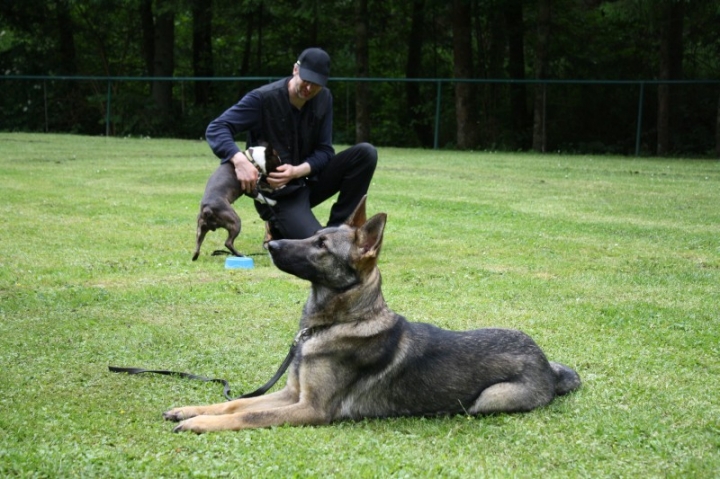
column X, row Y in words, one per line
column 320, row 242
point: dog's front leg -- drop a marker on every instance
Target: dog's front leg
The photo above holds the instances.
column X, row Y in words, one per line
column 284, row 397
column 298, row 414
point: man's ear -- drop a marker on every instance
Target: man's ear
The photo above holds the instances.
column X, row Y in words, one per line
column 358, row 217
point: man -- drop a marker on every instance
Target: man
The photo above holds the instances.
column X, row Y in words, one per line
column 295, row 116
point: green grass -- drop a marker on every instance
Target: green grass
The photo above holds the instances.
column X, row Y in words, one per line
column 611, row 264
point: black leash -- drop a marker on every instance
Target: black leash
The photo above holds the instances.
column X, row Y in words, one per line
column 301, row 335
column 226, row 389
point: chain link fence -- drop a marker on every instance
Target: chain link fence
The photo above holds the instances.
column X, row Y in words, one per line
column 582, row 116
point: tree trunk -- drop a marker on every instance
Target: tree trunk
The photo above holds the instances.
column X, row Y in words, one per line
column 247, row 49
column 68, row 57
column 462, row 68
column 362, row 61
column 313, row 27
column 71, row 100
column 539, row 142
column 493, row 92
column 516, row 69
column 671, row 50
column 148, row 36
column 164, row 59
column 413, row 69
column 202, row 49
column 259, row 53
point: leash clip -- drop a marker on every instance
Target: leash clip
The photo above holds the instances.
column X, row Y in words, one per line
column 302, row 335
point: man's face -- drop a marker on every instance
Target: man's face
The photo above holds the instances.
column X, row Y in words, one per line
column 304, row 90
column 307, row 90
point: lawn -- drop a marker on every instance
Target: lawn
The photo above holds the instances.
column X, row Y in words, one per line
column 612, row 264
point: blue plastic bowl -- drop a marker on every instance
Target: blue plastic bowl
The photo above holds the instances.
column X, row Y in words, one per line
column 235, row 262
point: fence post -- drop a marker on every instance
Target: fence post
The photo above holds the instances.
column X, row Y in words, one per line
column 45, row 104
column 437, row 115
column 639, row 120
column 107, row 114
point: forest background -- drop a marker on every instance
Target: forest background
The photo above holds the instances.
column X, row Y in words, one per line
column 588, row 76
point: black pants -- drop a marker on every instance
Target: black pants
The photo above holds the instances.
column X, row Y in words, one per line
column 349, row 173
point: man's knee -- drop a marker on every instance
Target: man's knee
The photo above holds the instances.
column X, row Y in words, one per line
column 365, row 157
column 368, row 153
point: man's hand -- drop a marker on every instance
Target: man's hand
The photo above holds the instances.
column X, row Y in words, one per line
column 246, row 173
column 286, row 173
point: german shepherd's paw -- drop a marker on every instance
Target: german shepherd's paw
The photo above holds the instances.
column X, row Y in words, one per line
column 199, row 425
column 180, row 413
column 186, row 426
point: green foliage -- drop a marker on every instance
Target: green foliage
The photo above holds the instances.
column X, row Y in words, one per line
column 599, row 40
column 611, row 264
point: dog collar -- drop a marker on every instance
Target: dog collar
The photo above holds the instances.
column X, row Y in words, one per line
column 307, row 333
column 253, row 162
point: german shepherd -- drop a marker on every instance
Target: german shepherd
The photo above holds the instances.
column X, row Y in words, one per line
column 356, row 358
column 221, row 191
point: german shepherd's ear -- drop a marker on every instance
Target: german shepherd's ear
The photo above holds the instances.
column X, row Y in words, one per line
column 370, row 236
column 358, row 217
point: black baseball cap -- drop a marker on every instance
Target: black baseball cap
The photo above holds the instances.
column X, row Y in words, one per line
column 314, row 66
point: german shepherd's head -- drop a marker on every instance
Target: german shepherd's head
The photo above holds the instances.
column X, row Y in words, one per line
column 336, row 258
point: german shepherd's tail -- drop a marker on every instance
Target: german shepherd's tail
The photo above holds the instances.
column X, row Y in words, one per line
column 566, row 379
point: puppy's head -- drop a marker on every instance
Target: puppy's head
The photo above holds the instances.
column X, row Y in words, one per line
column 266, row 158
